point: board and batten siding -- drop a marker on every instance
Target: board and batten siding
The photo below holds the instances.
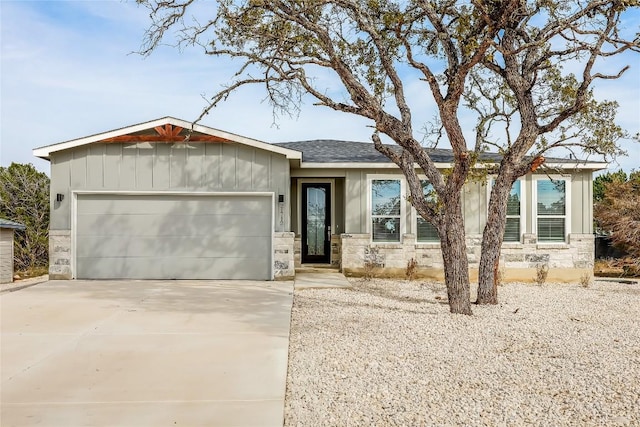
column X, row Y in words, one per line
column 201, row 167
column 6, row 255
column 475, row 201
column 357, row 198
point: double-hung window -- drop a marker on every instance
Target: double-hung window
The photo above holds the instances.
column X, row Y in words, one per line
column 551, row 209
column 386, row 200
column 425, row 232
column 512, row 226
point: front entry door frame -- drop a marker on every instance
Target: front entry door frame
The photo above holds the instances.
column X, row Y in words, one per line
column 324, row 258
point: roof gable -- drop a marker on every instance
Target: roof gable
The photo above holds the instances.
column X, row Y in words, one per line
column 164, row 130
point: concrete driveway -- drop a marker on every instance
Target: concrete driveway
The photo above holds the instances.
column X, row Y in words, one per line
column 145, row 353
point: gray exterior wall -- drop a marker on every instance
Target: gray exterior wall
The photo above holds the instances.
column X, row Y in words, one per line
column 6, row 255
column 145, row 167
column 475, row 202
column 567, row 261
column 158, row 167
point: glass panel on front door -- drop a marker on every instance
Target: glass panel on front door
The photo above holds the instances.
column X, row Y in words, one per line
column 316, row 229
column 316, row 219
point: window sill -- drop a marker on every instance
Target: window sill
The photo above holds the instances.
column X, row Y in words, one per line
column 388, row 245
column 512, row 245
column 550, row 245
column 428, row 245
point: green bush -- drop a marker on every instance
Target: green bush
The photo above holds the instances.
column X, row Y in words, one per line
column 24, row 198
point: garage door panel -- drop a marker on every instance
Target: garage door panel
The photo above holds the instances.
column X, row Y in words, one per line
column 162, row 268
column 173, row 237
column 178, row 247
column 173, row 225
column 199, row 205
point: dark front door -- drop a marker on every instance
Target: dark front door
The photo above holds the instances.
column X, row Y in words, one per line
column 316, row 223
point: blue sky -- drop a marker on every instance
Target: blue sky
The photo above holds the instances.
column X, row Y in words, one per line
column 67, row 71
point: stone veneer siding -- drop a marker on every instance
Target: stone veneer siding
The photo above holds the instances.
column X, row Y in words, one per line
column 283, row 256
column 566, row 261
column 60, row 254
column 336, row 251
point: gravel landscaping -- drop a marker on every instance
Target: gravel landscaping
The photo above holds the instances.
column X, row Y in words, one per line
column 388, row 353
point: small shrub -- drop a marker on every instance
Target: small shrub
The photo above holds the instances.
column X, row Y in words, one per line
column 412, row 269
column 369, row 270
column 586, row 279
column 371, row 263
column 542, row 271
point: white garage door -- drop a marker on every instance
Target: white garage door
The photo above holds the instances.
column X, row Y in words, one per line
column 173, row 237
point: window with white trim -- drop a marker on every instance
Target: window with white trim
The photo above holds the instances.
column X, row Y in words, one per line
column 386, row 200
column 425, row 231
column 551, row 210
column 512, row 229
column 513, row 225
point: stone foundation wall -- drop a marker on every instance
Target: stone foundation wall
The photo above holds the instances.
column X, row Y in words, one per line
column 60, row 255
column 336, row 251
column 566, row 261
column 283, row 256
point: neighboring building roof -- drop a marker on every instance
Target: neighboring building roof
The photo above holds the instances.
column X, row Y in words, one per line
column 331, row 152
column 5, row 223
column 163, row 130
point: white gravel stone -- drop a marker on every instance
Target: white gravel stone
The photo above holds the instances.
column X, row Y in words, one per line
column 389, row 353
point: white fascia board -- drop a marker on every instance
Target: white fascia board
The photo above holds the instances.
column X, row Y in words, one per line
column 565, row 166
column 586, row 165
column 45, row 152
column 354, row 165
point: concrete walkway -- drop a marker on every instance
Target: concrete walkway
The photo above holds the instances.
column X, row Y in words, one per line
column 319, row 279
column 145, row 353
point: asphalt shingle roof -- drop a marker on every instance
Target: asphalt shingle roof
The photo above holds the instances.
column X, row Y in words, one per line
column 335, row 151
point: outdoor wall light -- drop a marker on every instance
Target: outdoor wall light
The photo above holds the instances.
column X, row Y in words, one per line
column 59, row 197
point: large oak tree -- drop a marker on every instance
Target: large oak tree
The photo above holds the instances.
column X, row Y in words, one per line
column 507, row 62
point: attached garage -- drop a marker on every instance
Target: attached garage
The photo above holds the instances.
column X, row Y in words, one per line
column 169, row 199
column 174, row 236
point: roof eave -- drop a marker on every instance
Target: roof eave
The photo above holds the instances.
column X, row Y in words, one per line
column 359, row 165
column 440, row 165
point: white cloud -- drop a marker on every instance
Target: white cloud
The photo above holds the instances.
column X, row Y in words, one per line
column 67, row 72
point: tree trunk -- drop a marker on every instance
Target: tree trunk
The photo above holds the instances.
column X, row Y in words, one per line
column 492, row 238
column 454, row 254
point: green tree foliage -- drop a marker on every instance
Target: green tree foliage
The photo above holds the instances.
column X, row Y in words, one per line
column 24, row 198
column 523, row 68
column 600, row 182
column 618, row 211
